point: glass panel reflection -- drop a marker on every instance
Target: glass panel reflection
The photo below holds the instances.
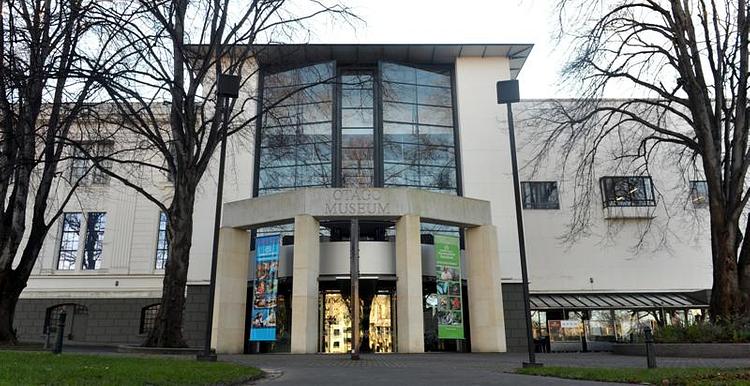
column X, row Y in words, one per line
column 381, row 327
column 296, row 135
column 357, row 130
column 418, row 136
column 337, row 324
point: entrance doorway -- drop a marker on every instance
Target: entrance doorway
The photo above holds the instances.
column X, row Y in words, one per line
column 378, row 310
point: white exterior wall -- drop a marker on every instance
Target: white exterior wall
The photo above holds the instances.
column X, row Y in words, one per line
column 485, row 151
column 608, row 255
column 674, row 253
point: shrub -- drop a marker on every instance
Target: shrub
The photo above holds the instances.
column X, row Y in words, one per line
column 703, row 333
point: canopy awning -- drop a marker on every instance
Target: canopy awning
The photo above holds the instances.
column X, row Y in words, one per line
column 612, row 301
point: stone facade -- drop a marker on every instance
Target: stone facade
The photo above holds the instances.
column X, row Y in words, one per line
column 109, row 320
column 515, row 325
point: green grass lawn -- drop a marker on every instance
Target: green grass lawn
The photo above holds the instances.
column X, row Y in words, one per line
column 41, row 368
column 659, row 376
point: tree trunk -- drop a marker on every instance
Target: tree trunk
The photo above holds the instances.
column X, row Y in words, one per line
column 743, row 277
column 167, row 330
column 10, row 290
column 725, row 292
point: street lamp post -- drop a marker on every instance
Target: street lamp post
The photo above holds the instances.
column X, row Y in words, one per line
column 507, row 92
column 228, row 87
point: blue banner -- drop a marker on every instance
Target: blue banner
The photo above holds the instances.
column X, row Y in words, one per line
column 263, row 315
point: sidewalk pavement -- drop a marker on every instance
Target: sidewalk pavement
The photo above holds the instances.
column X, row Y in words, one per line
column 441, row 368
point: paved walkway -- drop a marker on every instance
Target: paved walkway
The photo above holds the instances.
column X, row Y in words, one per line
column 440, row 368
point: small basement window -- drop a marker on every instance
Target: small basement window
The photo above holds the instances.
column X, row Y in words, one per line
column 148, row 318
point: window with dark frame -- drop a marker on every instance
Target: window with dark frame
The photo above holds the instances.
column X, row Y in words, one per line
column 69, row 241
column 148, row 318
column 627, row 191
column 540, row 195
column 79, row 166
column 102, row 150
column 81, row 163
column 699, row 193
column 94, row 239
column 162, row 244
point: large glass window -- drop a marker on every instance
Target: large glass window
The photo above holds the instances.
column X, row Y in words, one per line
column 69, row 241
column 627, row 191
column 357, row 130
column 396, row 131
column 418, row 135
column 296, row 137
column 92, row 252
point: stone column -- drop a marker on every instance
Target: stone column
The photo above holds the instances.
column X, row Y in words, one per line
column 485, row 292
column 305, row 285
column 410, row 322
column 228, row 333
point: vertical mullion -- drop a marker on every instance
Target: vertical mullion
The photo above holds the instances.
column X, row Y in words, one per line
column 336, row 152
column 377, row 103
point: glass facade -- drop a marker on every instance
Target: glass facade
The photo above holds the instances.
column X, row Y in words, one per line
column 357, row 130
column 297, row 134
column 374, row 126
column 418, row 130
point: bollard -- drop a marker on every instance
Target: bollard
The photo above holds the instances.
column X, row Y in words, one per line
column 60, row 333
column 650, row 348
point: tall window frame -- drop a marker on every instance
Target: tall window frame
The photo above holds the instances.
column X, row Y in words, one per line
column 70, row 240
column 81, row 238
column 93, row 247
column 162, row 243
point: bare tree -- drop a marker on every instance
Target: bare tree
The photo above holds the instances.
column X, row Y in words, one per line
column 166, row 103
column 44, row 90
column 687, row 64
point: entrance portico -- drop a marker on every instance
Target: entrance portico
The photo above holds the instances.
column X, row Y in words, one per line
column 407, row 208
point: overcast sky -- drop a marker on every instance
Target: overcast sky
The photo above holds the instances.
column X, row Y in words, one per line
column 464, row 21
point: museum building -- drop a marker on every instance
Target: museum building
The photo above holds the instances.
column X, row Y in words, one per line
column 409, row 141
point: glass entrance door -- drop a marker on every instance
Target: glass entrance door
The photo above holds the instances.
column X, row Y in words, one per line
column 377, row 308
column 380, row 329
column 337, row 324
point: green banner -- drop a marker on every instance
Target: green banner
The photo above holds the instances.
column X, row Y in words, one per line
column 448, row 277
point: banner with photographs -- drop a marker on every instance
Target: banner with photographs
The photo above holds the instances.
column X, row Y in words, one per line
column 263, row 316
column 448, row 278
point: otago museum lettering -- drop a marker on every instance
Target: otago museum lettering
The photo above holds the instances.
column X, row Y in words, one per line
column 356, row 202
